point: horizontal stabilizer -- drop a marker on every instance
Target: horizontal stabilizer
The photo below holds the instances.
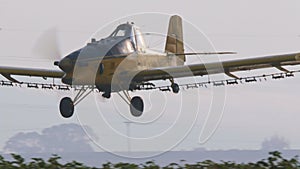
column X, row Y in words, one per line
column 206, row 53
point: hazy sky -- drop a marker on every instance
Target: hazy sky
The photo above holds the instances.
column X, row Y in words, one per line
column 252, row 112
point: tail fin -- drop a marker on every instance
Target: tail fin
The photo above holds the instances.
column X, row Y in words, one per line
column 174, row 42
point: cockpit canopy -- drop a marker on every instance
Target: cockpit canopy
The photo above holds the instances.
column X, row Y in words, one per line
column 132, row 32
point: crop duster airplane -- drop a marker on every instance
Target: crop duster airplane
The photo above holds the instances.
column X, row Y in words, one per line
column 122, row 62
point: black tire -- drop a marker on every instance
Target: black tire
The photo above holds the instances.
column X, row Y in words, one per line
column 136, row 106
column 66, row 107
column 175, row 88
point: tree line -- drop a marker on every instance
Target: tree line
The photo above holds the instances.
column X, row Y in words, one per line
column 275, row 160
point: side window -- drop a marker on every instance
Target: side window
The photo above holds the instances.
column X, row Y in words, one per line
column 120, row 32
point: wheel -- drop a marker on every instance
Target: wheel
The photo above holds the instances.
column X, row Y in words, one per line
column 66, row 107
column 136, row 106
column 175, row 87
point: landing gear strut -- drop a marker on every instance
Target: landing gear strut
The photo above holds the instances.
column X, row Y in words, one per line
column 136, row 104
column 66, row 105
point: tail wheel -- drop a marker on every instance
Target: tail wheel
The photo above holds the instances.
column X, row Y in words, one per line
column 175, row 88
column 66, row 107
column 136, row 106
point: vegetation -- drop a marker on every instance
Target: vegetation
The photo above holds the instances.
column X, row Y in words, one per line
column 274, row 161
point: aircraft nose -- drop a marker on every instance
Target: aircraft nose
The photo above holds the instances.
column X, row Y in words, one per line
column 65, row 64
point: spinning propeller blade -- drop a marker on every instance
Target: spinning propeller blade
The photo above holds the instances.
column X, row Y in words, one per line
column 47, row 46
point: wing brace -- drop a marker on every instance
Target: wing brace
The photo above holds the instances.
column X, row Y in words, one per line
column 279, row 67
column 231, row 75
column 8, row 76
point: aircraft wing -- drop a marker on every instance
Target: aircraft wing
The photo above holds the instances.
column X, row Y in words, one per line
column 226, row 67
column 8, row 71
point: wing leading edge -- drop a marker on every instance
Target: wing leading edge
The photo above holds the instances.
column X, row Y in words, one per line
column 8, row 71
column 227, row 67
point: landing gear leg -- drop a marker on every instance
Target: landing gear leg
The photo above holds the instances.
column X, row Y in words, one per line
column 136, row 104
column 67, row 105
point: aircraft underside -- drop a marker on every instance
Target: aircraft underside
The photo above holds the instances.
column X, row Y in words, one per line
column 136, row 103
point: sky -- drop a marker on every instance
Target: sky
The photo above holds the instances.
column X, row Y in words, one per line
column 252, row 112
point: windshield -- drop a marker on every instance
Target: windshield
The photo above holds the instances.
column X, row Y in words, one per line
column 122, row 31
column 132, row 32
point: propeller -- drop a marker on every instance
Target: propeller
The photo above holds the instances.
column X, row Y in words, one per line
column 47, row 45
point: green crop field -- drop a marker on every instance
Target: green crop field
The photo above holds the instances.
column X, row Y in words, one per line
column 273, row 161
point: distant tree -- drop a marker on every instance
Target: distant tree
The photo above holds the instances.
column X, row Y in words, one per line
column 25, row 142
column 200, row 149
column 275, row 143
column 56, row 139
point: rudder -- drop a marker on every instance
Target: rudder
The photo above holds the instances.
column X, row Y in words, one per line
column 174, row 41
